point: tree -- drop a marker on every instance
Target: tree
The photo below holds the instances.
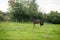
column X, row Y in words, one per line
column 33, row 8
column 22, row 9
column 54, row 17
column 1, row 16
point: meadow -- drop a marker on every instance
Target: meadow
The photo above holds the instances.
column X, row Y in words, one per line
column 25, row 31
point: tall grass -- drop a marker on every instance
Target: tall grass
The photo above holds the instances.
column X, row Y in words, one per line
column 25, row 31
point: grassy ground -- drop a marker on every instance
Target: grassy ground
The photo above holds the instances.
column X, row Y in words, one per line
column 25, row 31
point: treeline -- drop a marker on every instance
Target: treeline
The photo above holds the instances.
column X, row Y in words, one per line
column 52, row 17
column 24, row 10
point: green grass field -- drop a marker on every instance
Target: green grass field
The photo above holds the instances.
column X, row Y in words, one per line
column 25, row 31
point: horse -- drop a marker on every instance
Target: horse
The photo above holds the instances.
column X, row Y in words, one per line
column 38, row 21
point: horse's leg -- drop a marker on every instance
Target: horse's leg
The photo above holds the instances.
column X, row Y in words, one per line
column 33, row 25
column 40, row 24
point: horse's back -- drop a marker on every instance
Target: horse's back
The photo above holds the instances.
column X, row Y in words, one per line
column 36, row 21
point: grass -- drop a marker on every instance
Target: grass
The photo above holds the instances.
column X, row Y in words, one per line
column 25, row 31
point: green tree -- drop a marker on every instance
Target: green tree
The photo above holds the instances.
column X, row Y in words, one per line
column 33, row 8
column 54, row 17
column 2, row 16
column 22, row 9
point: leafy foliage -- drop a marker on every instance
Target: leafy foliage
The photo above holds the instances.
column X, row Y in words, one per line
column 23, row 10
column 53, row 17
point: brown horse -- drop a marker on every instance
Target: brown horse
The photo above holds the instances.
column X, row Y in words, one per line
column 38, row 21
